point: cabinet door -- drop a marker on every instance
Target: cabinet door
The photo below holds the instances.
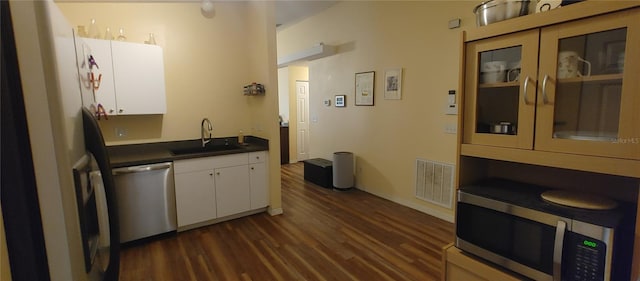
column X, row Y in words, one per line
column 259, row 185
column 104, row 94
column 232, row 190
column 500, row 86
column 589, row 91
column 195, row 197
column 139, row 75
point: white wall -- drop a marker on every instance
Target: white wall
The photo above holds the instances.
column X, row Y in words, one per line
column 283, row 93
column 388, row 137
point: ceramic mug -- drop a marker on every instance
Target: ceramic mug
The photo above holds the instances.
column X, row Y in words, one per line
column 568, row 65
column 513, row 75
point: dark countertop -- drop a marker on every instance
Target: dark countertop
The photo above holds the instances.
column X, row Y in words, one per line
column 149, row 153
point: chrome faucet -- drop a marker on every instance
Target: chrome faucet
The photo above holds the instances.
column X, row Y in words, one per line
column 209, row 128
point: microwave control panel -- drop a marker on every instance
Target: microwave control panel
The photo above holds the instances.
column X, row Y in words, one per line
column 585, row 258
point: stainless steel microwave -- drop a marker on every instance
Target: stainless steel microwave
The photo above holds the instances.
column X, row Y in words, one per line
column 509, row 224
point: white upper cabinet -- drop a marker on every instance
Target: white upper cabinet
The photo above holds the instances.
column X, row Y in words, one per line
column 132, row 81
column 138, row 70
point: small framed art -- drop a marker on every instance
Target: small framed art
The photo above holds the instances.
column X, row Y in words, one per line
column 393, row 84
column 364, row 88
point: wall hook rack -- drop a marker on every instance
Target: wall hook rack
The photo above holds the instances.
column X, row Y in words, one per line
column 254, row 89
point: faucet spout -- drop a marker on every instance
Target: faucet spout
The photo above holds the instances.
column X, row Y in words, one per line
column 204, row 130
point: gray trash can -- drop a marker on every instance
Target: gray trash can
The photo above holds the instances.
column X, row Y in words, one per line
column 342, row 170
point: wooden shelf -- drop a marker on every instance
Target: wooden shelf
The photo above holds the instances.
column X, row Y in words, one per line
column 500, row 85
column 593, row 78
column 613, row 166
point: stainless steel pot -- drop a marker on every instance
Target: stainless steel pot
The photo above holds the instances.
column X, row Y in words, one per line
column 502, row 128
column 497, row 10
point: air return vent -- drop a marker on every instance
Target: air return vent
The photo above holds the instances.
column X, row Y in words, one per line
column 434, row 182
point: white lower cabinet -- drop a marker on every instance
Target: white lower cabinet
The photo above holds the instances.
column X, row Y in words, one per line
column 211, row 188
column 258, row 180
column 232, row 190
column 195, row 197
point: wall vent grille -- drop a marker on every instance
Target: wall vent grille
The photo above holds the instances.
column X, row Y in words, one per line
column 434, row 182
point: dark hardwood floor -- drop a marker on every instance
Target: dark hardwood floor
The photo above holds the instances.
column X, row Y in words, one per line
column 322, row 235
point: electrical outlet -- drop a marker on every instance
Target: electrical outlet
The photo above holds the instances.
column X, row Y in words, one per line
column 451, row 109
column 451, row 129
column 121, row 132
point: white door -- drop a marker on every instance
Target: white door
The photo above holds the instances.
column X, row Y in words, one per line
column 302, row 94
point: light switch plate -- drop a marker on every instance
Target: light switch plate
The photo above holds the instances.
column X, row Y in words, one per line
column 451, row 109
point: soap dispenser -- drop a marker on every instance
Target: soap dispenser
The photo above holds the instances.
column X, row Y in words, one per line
column 240, row 137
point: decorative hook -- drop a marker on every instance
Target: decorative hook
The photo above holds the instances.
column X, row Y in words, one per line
column 92, row 62
column 101, row 112
column 95, row 82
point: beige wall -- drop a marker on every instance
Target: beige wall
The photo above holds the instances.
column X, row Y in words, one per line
column 388, row 137
column 207, row 62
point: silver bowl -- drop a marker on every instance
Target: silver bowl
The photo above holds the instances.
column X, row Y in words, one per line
column 498, row 10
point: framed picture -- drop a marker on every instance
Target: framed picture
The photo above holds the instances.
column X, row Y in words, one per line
column 393, row 84
column 341, row 101
column 364, row 88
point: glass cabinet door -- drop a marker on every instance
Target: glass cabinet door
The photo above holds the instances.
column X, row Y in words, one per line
column 588, row 88
column 500, row 87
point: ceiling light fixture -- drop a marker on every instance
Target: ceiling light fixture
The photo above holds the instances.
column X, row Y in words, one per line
column 207, row 6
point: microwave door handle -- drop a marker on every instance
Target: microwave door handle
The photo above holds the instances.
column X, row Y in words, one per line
column 557, row 250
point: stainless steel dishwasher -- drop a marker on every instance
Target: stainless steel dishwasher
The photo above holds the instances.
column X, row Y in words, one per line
column 146, row 200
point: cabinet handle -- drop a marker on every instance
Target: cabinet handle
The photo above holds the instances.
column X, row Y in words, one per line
column 545, row 99
column 526, row 93
column 218, row 173
column 111, row 110
column 120, row 110
column 252, row 168
column 211, row 174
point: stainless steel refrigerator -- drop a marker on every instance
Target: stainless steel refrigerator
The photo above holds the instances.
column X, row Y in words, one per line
column 72, row 182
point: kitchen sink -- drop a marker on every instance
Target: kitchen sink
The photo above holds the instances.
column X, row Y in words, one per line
column 206, row 149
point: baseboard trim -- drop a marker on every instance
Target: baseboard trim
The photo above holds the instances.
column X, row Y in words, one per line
column 412, row 205
column 222, row 219
column 275, row 211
